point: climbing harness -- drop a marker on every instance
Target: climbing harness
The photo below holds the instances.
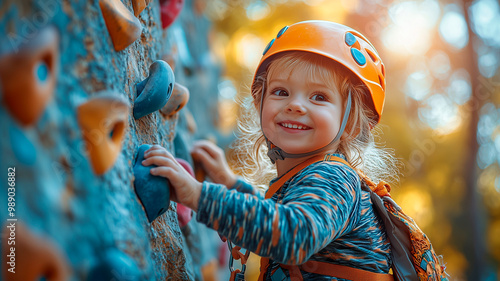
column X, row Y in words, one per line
column 413, row 255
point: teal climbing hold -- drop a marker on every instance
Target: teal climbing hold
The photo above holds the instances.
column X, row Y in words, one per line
column 153, row 191
column 154, row 91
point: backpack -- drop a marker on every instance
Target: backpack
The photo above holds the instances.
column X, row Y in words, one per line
column 414, row 257
column 412, row 253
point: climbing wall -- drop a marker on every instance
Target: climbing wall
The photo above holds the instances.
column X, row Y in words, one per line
column 83, row 84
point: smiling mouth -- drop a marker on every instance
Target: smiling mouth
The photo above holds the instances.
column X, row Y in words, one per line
column 294, row 126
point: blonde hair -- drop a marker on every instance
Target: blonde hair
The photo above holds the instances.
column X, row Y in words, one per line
column 357, row 142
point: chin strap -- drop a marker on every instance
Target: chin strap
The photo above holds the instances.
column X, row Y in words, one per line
column 275, row 153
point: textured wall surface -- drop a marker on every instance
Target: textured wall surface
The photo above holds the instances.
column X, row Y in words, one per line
column 58, row 196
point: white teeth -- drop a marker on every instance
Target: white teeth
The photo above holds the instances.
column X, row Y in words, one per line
column 293, row 126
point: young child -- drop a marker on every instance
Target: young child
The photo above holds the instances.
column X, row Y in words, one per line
column 319, row 90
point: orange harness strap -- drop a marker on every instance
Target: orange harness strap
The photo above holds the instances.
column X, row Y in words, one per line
column 264, row 262
column 277, row 184
column 335, row 270
column 323, row 268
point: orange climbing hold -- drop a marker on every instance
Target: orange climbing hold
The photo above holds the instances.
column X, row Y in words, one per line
column 103, row 120
column 139, row 6
column 34, row 257
column 123, row 27
column 179, row 98
column 28, row 76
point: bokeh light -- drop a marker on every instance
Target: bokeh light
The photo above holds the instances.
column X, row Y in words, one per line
column 488, row 61
column 419, row 84
column 257, row 10
column 227, row 90
column 488, row 136
column 459, row 89
column 453, row 28
column 439, row 65
column 412, row 22
column 247, row 49
column 486, row 21
column 227, row 107
column 417, row 204
column 440, row 113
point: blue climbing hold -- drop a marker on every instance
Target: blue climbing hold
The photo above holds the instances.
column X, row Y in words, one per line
column 358, row 56
column 153, row 191
column 350, row 39
column 282, row 31
column 154, row 91
column 114, row 265
column 268, row 46
column 42, row 71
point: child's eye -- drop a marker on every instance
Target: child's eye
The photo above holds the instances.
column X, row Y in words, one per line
column 319, row 97
column 279, row 92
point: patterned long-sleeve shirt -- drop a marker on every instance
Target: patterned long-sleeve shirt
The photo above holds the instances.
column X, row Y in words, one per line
column 319, row 214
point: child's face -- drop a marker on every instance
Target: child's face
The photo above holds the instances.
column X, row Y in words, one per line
column 300, row 113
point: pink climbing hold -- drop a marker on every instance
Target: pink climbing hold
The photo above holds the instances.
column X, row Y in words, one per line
column 170, row 9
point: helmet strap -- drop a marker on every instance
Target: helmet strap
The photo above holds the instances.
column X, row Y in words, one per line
column 275, row 153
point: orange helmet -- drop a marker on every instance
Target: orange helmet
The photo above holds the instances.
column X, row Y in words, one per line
column 337, row 42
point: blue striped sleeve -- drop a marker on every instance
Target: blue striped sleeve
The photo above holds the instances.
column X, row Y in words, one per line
column 314, row 207
column 244, row 187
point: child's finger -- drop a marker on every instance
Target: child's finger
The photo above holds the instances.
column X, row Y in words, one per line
column 158, row 161
column 154, row 147
column 158, row 152
column 213, row 150
column 166, row 172
column 204, row 157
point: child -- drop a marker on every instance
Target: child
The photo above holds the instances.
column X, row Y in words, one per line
column 319, row 90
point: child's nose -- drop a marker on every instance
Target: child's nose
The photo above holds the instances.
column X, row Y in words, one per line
column 295, row 105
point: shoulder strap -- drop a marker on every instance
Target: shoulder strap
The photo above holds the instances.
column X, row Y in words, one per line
column 277, row 184
column 264, row 262
column 333, row 158
column 336, row 270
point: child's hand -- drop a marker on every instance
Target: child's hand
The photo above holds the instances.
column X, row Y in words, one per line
column 214, row 162
column 184, row 188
